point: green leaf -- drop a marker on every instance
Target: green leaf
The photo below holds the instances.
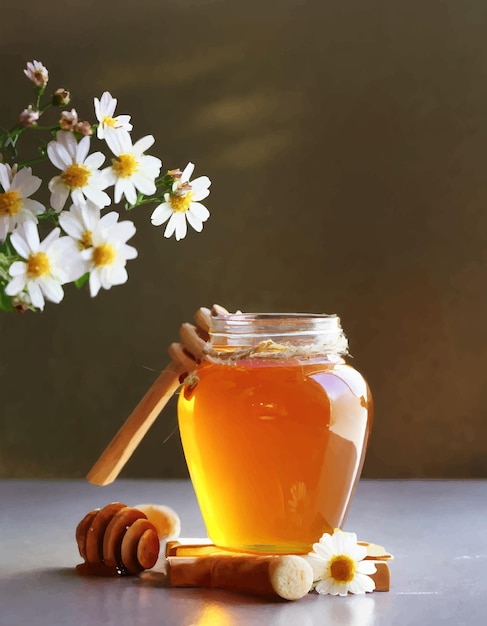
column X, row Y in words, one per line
column 5, row 302
column 81, row 281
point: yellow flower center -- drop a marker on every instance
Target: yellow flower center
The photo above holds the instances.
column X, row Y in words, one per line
column 180, row 204
column 10, row 203
column 125, row 165
column 109, row 121
column 342, row 568
column 38, row 265
column 104, row 254
column 39, row 76
column 76, row 176
column 85, row 241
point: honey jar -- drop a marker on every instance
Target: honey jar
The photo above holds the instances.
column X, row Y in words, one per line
column 274, row 425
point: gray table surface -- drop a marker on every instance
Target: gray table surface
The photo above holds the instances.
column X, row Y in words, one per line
column 437, row 531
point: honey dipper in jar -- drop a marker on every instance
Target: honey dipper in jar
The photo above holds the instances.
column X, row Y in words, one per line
column 123, row 540
column 185, row 356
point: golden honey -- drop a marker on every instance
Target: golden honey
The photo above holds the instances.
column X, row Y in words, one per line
column 274, row 447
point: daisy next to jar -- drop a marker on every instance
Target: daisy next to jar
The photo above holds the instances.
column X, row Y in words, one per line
column 274, row 431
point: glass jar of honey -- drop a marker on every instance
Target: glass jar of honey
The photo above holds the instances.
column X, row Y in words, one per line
column 274, row 426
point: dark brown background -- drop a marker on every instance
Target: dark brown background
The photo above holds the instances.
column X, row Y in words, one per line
column 347, row 145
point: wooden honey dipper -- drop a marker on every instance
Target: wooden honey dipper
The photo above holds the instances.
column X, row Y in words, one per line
column 185, row 356
column 123, row 540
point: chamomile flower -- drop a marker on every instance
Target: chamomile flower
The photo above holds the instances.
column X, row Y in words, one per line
column 338, row 565
column 80, row 175
column 15, row 205
column 80, row 222
column 109, row 252
column 131, row 170
column 45, row 267
column 104, row 110
column 37, row 73
column 182, row 204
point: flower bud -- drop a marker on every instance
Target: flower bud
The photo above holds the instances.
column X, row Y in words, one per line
column 68, row 120
column 61, row 97
column 29, row 116
column 84, row 128
column 21, row 302
column 37, row 73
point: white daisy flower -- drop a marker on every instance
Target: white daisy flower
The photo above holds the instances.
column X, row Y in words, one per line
column 131, row 170
column 80, row 222
column 183, row 204
column 80, row 174
column 109, row 253
column 37, row 73
column 47, row 265
column 15, row 205
column 104, row 110
column 338, row 565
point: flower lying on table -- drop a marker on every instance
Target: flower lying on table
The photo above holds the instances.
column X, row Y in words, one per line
column 338, row 565
column 80, row 243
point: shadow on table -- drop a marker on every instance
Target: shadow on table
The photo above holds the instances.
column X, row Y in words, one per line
column 62, row 597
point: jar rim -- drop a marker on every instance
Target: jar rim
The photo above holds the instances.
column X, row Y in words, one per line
column 304, row 329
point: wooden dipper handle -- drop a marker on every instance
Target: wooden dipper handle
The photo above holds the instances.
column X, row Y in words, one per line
column 122, row 446
column 185, row 358
column 288, row 576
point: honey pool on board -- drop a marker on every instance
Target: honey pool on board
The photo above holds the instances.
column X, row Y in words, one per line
column 274, row 450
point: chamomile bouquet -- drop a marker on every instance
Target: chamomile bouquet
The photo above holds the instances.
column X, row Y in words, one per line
column 77, row 238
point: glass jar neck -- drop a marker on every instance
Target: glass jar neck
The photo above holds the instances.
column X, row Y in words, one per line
column 271, row 335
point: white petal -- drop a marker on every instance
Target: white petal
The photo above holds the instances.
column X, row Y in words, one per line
column 95, row 160
column 71, row 225
column 16, row 285
column 20, row 244
column 201, row 195
column 98, row 197
column 105, row 277
column 51, row 289
column 119, row 275
column 200, row 211
column 50, row 239
column 181, row 226
column 201, row 183
column 129, row 190
column 122, row 231
column 171, row 226
column 109, row 219
column 366, row 567
column 58, row 155
column 109, row 103
column 119, row 142
column 4, row 177
column 98, row 112
column 36, row 208
column 67, row 140
column 143, row 144
column 151, row 165
column 31, row 236
column 195, row 221
column 143, row 183
column 82, row 150
column 161, row 214
column 25, row 183
column 35, row 294
column 17, row 268
column 318, row 565
column 361, row 584
column 188, row 170
column 59, row 193
column 128, row 252
column 94, row 283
